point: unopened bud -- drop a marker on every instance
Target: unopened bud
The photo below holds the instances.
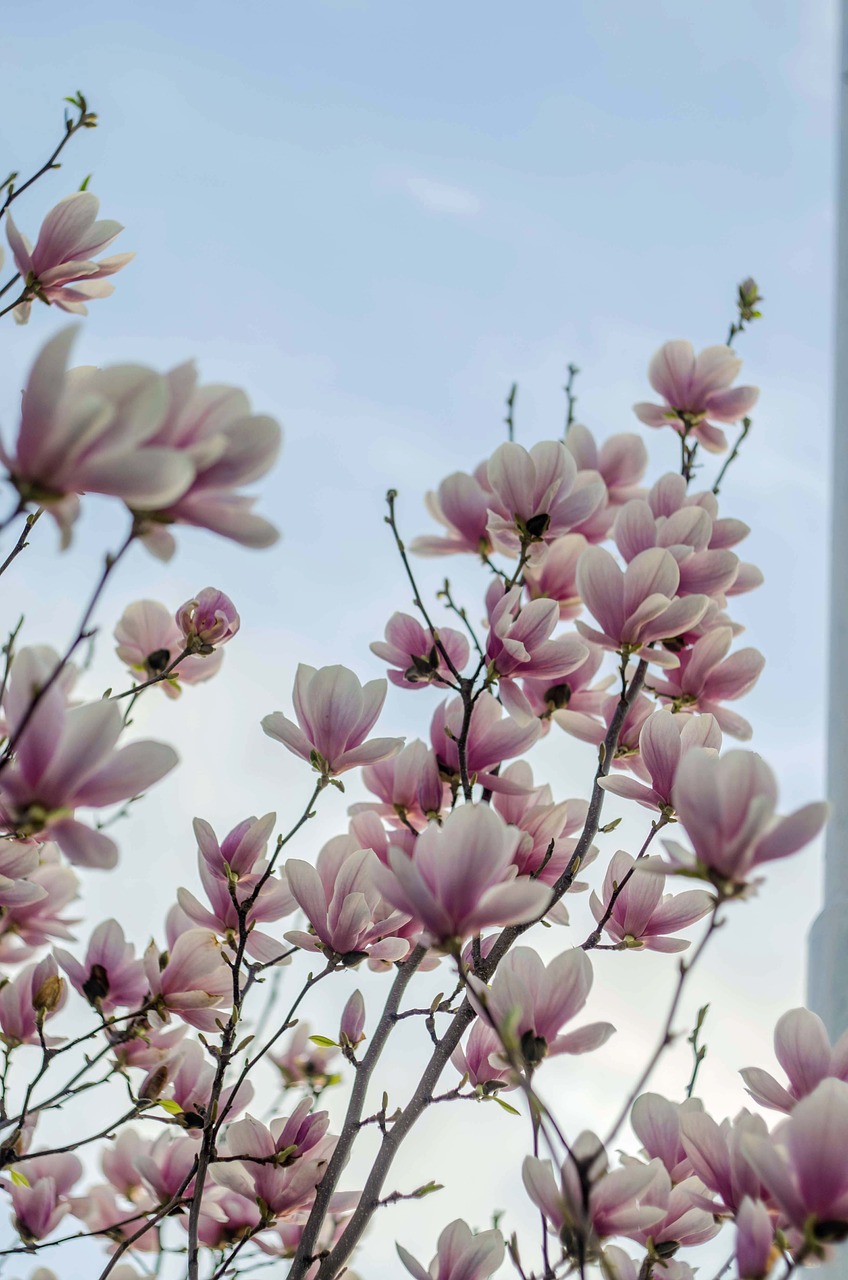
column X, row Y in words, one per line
column 48, row 996
column 352, row 1025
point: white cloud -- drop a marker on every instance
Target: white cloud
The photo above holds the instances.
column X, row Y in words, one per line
column 442, row 197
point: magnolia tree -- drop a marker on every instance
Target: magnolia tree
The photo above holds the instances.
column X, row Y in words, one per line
column 604, row 612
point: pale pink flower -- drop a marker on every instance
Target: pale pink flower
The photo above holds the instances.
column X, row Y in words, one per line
column 720, row 1155
column 335, row 714
column 226, row 1216
column 208, row 621
column 39, row 1199
column 483, row 1062
column 657, row 1124
column 110, row 976
column 535, row 497
column 60, row 269
column 414, row 656
column 621, row 462
column 460, row 878
column 166, row 1165
column 461, row 1254
column 461, row 504
column 617, row 1265
column 408, row 786
column 707, row 678
column 29, row 925
column 492, row 738
column 594, row 728
column 300, row 1142
column 636, row 607
column 664, row 741
column 149, row 640
column 345, row 904
column 28, row 999
column 671, row 493
column 520, row 644
column 697, row 392
column 119, row 1161
column 227, row 447
column 191, row 981
column 804, row 1163
column 545, row 847
column 187, row 1078
column 619, row 1203
column 642, row 917
column 577, row 693
column 686, row 535
column 553, row 574
column 18, row 862
column 756, row 1251
column 531, row 1002
column 727, row 808
column 352, row 1024
column 301, row 1061
column 65, row 758
column 92, row 431
column 688, row 1220
column 802, row 1047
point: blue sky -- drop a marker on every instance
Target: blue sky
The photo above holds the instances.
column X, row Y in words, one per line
column 376, row 216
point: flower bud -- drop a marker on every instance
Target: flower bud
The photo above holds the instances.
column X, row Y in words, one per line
column 48, row 996
column 209, row 620
column 352, row 1025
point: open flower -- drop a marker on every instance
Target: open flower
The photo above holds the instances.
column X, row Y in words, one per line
column 535, row 497
column 61, row 268
column 707, row 678
column 110, row 976
column 335, row 714
column 39, row 1193
column 492, row 738
column 191, row 981
column 460, row 1255
column 520, row 644
column 697, row 392
column 621, row 462
column 803, row 1049
column 642, row 917
column 26, row 1000
column 149, row 640
column 414, row 656
column 461, row 504
column 280, row 1166
column 663, row 742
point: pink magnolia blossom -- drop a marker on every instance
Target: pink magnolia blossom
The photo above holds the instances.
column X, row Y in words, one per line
column 720, row 1155
column 530, row 1003
column 149, row 640
column 352, row 1024
column 577, row 693
column 594, row 728
column 119, row 1161
column 191, row 981
column 546, row 846
column 18, row 862
column 553, row 574
column 461, row 505
column 208, row 621
column 166, row 1166
column 301, row 1061
column 65, row 758
column 28, row 999
column 657, row 1124
column 803, row 1049
column 707, row 678
column 335, row 714
column 29, row 925
column 621, row 462
column 535, row 497
column 39, row 1197
column 227, row 447
column 618, row 1265
column 697, row 392
column 482, row 1060
column 460, row 877
column 686, row 535
column 91, row 430
column 756, row 1251
column 408, row 787
column 414, row 656
column 619, row 1203
column 302, row 1147
column 520, row 644
column 804, row 1164
column 345, row 903
column 492, row 738
column 671, row 493
column 636, row 607
column 461, row 1254
column 226, row 1216
column 110, row 977
column 642, row 917
column 61, row 268
column 727, row 808
column 187, row 1078
column 688, row 1220
column 664, row 741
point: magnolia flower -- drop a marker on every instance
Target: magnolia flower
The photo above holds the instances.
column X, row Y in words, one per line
column 657, row 1124
column 227, row 447
column 462, row 506
column 600, row 1204
column 520, row 644
column 352, row 1024
column 697, row 392
column 65, row 757
column 535, row 497
column 594, row 727
column 191, row 981
column 119, row 1161
column 664, row 741
column 803, row 1049
column 617, row 1265
column 727, row 807
column 39, row 1193
column 166, row 1166
column 720, row 1155
column 530, row 1003
column 460, row 877
column 688, row 1220
column 621, row 462
column 26, row 1000
column 460, row 1255
column 408, row 786
column 804, row 1165
column 187, row 1078
column 92, row 431
column 301, row 1061
column 110, row 976
column 60, row 269
column 756, row 1252
column 208, row 621
column 686, row 534
column 641, row 916
column 279, row 1166
column 636, row 607
column 545, row 848
column 335, row 714
column 707, row 678
column 18, row 862
column 31, row 924
column 346, row 906
column 482, row 1060
column 149, row 640
column 577, row 693
column 553, row 575
column 492, row 738
column 416, row 659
